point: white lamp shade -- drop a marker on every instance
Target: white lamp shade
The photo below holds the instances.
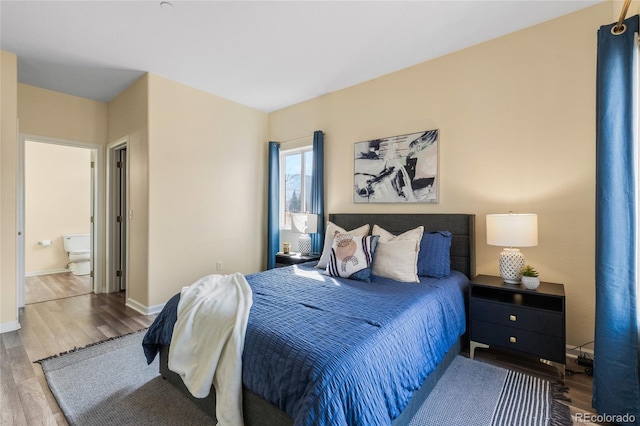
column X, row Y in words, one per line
column 512, row 230
column 303, row 223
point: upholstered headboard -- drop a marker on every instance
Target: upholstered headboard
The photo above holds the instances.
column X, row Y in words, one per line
column 462, row 226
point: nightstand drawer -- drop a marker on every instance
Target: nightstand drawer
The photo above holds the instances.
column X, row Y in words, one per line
column 530, row 319
column 540, row 345
column 283, row 260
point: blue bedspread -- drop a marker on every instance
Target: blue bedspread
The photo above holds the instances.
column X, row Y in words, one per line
column 333, row 351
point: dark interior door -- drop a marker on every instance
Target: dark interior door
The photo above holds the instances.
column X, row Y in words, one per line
column 121, row 218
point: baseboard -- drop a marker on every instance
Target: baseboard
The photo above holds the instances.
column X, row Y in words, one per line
column 143, row 309
column 6, row 327
column 573, row 352
column 47, row 272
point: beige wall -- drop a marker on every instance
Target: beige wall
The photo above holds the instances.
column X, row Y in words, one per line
column 207, row 180
column 517, row 132
column 57, row 202
column 185, row 149
column 128, row 116
column 57, row 115
column 8, row 189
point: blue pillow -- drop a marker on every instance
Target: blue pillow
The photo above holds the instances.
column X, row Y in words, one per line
column 434, row 257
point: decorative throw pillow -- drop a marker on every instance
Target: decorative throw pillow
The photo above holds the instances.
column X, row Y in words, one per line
column 352, row 256
column 331, row 231
column 434, row 259
column 397, row 256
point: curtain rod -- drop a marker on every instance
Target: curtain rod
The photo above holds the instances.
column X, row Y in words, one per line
column 301, row 137
column 623, row 14
column 297, row 139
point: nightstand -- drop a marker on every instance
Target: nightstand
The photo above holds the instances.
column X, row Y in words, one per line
column 511, row 317
column 294, row 258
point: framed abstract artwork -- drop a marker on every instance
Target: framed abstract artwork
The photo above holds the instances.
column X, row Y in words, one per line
column 397, row 169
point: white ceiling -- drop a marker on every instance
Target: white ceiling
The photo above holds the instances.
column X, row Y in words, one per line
column 264, row 54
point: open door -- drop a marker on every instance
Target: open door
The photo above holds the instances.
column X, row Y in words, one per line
column 117, row 217
column 120, row 225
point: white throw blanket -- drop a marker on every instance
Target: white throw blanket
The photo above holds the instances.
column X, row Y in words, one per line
column 208, row 340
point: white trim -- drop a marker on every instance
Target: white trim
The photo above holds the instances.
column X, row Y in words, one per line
column 97, row 208
column 297, row 144
column 46, row 272
column 20, row 224
column 6, row 327
column 143, row 309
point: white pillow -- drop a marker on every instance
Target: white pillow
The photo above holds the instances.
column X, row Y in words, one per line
column 332, row 230
column 396, row 257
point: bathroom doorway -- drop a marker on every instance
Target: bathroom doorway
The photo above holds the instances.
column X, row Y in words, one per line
column 58, row 193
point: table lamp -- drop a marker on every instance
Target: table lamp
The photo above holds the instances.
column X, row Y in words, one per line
column 305, row 224
column 510, row 231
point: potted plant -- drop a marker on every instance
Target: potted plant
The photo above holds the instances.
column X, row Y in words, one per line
column 530, row 277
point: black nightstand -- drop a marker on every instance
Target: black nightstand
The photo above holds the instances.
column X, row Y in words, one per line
column 509, row 316
column 294, row 258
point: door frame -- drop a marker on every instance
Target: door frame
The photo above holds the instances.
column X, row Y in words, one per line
column 97, row 179
column 110, row 284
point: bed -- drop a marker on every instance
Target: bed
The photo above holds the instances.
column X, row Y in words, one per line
column 360, row 353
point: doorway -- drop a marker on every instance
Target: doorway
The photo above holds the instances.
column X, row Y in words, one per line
column 58, row 197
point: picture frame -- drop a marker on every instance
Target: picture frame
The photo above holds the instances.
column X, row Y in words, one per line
column 397, row 169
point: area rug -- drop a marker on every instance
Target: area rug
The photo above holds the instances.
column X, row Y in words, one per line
column 111, row 384
column 474, row 393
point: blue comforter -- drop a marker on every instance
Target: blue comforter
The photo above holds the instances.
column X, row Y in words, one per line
column 333, row 351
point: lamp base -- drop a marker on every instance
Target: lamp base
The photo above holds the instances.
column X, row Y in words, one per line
column 304, row 244
column 511, row 263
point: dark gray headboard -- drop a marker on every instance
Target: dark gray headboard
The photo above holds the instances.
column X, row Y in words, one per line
column 462, row 226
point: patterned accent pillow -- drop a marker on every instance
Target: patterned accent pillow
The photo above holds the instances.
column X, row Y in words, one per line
column 352, row 256
column 434, row 259
column 329, row 234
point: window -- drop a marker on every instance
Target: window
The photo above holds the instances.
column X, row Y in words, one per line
column 295, row 183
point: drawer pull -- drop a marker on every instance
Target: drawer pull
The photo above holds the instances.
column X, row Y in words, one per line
column 512, row 339
column 513, row 318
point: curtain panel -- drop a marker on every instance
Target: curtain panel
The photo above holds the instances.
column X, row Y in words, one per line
column 317, row 190
column 616, row 384
column 273, row 204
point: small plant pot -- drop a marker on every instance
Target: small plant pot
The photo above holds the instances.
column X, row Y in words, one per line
column 531, row 282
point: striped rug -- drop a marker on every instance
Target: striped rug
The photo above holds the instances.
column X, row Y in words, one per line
column 475, row 393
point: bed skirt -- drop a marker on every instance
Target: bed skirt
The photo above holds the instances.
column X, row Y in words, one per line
column 259, row 412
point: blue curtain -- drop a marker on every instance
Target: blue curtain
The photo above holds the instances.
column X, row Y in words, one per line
column 273, row 208
column 317, row 190
column 616, row 384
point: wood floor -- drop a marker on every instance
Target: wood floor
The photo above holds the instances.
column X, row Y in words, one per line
column 50, row 328
column 42, row 288
column 53, row 327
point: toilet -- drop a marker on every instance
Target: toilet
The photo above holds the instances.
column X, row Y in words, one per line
column 78, row 247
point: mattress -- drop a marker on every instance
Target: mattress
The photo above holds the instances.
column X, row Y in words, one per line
column 332, row 351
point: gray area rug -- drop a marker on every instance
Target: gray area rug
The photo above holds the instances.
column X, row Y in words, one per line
column 478, row 394
column 111, row 384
